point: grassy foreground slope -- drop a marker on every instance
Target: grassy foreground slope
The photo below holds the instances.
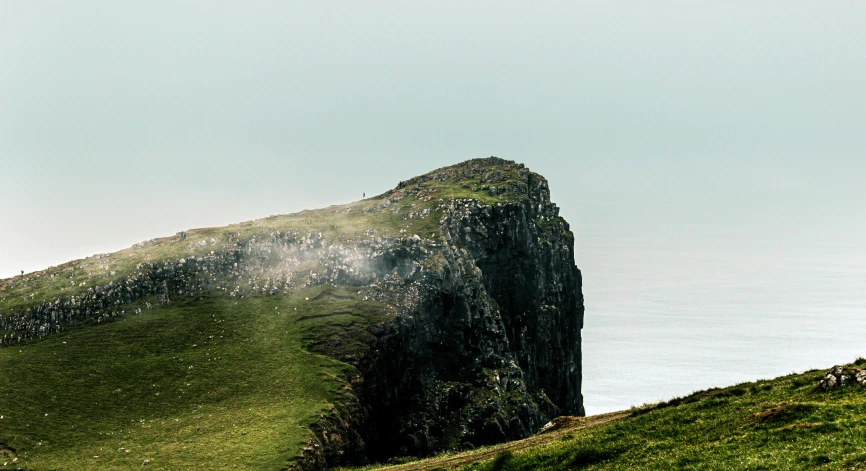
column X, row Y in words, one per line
column 783, row 423
column 208, row 382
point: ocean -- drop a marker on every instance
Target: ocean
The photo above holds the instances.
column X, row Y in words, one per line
column 699, row 308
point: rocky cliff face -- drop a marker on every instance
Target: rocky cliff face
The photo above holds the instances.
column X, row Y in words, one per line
column 487, row 344
column 489, row 349
column 474, row 267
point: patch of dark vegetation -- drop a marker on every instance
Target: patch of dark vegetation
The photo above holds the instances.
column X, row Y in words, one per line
column 7, row 451
column 803, row 380
column 858, row 461
column 331, row 314
column 712, row 402
column 686, row 419
column 784, row 413
column 402, row 460
column 716, row 394
column 812, row 427
column 572, row 458
column 806, row 425
column 758, row 387
column 585, row 456
column 815, row 460
column 330, row 294
column 500, row 462
column 687, row 462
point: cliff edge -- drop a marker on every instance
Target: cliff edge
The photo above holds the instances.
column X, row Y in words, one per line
column 453, row 302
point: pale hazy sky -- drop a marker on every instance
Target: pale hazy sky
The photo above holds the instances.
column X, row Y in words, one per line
column 123, row 121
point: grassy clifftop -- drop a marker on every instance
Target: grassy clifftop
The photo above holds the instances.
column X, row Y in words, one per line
column 414, row 207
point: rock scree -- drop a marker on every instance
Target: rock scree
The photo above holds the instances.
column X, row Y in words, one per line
column 840, row 376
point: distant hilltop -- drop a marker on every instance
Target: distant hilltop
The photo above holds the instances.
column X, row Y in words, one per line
column 446, row 312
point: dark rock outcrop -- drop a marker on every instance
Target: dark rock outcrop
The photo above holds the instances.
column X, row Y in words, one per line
column 491, row 349
column 841, row 376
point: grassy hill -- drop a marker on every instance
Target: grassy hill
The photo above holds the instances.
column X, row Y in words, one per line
column 242, row 347
column 207, row 382
column 229, row 347
column 778, row 424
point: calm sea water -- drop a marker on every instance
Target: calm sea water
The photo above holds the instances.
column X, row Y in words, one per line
column 666, row 316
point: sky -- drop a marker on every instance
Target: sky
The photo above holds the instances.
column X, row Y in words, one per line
column 686, row 142
column 123, row 121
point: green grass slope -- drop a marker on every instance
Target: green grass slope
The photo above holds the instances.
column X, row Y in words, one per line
column 206, row 383
column 780, row 424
